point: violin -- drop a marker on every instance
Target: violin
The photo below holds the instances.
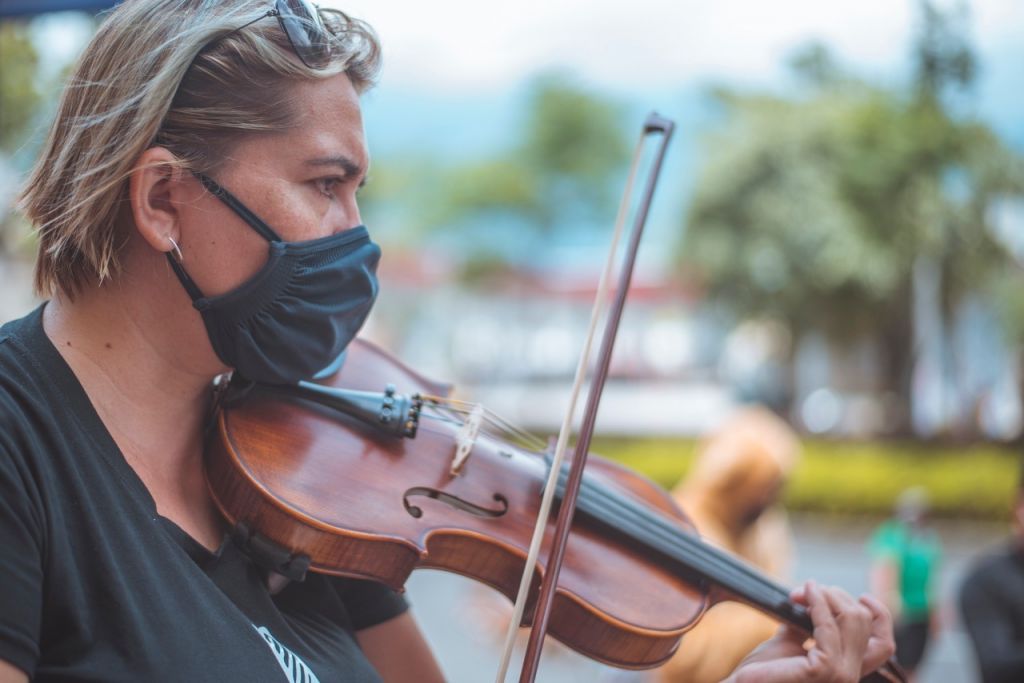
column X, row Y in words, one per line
column 337, row 476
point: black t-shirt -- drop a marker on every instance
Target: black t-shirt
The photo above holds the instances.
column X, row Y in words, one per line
column 992, row 603
column 96, row 586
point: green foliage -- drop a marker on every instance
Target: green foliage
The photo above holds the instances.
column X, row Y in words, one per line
column 573, row 149
column 491, row 184
column 846, row 478
column 415, row 181
column 560, row 169
column 942, row 55
column 1005, row 287
column 816, row 66
column 664, row 461
column 814, row 209
column 979, row 481
column 19, row 98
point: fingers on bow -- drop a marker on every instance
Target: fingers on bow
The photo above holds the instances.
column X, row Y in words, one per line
column 881, row 644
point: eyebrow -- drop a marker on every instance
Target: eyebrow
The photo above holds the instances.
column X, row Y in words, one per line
column 349, row 167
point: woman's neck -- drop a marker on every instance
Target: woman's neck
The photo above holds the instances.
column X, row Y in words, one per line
column 152, row 408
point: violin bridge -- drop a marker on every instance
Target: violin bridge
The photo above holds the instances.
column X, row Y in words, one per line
column 466, row 438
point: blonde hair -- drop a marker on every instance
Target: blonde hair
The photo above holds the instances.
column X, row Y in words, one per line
column 752, row 450
column 181, row 74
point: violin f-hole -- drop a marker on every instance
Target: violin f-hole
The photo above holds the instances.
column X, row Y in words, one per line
column 454, row 501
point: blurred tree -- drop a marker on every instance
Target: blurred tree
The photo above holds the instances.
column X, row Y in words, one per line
column 574, row 149
column 19, row 98
column 813, row 209
column 20, row 101
column 815, row 65
column 942, row 54
column 560, row 171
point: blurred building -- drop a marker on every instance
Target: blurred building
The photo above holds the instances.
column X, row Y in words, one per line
column 514, row 344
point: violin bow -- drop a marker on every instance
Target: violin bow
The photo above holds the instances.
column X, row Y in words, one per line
column 654, row 124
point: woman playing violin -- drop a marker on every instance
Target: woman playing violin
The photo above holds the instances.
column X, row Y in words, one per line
column 196, row 210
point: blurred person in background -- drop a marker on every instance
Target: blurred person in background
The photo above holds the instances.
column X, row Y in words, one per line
column 992, row 604
column 905, row 557
column 196, row 213
column 732, row 496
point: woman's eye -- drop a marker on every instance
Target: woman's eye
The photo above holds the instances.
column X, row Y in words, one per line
column 327, row 185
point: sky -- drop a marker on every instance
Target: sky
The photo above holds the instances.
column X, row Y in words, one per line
column 460, row 49
column 448, row 56
column 460, row 44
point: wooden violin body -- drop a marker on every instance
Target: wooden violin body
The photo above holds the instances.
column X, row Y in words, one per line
column 363, row 503
column 318, row 483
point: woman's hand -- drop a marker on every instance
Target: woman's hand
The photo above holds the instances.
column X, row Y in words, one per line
column 851, row 639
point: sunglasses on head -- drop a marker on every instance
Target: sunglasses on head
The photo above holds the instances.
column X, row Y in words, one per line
column 305, row 30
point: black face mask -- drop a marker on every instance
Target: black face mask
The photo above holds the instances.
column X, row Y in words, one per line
column 297, row 314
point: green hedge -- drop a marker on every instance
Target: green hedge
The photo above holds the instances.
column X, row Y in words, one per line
column 977, row 481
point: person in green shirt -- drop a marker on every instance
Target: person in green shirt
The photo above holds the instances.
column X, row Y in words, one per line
column 906, row 554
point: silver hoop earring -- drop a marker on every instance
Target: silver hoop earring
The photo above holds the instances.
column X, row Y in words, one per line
column 177, row 249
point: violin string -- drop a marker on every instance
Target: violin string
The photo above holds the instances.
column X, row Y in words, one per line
column 624, row 520
column 611, row 508
column 640, row 523
column 688, row 550
column 670, row 537
column 503, row 426
column 719, row 570
column 524, row 441
column 503, row 432
column 507, row 427
column 738, row 578
column 619, row 512
column 654, row 530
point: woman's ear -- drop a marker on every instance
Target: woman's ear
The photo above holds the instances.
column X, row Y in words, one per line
column 155, row 190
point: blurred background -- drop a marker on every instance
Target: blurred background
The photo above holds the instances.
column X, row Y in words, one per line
column 838, row 236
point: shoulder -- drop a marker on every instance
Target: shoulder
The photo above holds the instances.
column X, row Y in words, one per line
column 987, row 571
column 32, row 404
column 889, row 528
column 17, row 329
column 887, row 537
column 21, row 470
column 368, row 603
column 22, row 351
column 21, row 378
column 34, row 378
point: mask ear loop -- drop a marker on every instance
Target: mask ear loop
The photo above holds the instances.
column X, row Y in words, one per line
column 243, row 211
column 175, row 257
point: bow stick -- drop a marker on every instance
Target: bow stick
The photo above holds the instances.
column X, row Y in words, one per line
column 548, row 496
column 654, row 124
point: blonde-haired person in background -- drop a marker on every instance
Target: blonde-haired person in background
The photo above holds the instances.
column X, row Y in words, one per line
column 196, row 211
column 731, row 495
